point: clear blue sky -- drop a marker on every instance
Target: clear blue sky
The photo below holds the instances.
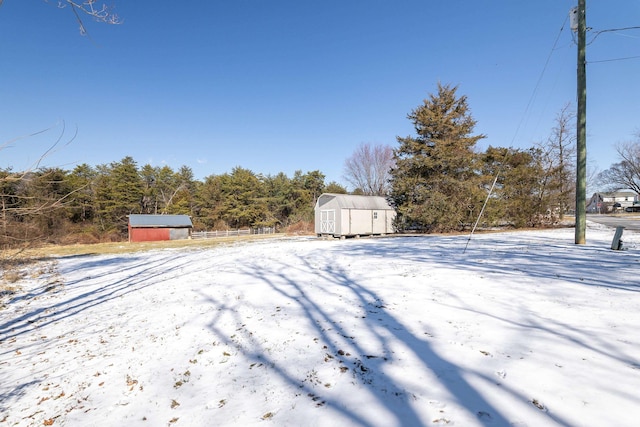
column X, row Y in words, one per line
column 281, row 85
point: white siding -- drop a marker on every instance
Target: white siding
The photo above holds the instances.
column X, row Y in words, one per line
column 360, row 221
column 354, row 215
column 378, row 222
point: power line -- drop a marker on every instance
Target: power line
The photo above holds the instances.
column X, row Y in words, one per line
column 611, row 30
column 533, row 94
column 614, row 59
column 542, row 73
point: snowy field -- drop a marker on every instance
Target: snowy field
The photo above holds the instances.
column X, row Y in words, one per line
column 522, row 329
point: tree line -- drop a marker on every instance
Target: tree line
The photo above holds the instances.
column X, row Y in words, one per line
column 437, row 181
column 91, row 204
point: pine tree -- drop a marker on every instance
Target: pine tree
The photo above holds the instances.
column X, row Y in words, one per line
column 243, row 203
column 279, row 198
column 119, row 192
column 435, row 184
column 516, row 198
column 81, row 200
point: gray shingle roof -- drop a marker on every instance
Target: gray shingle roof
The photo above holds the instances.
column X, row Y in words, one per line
column 155, row 221
column 350, row 201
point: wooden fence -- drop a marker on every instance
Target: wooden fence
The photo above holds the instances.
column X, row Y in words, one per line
column 228, row 233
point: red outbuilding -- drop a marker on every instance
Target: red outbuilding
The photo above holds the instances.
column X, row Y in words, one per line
column 149, row 228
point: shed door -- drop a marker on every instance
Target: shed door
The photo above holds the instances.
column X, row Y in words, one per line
column 378, row 222
column 328, row 221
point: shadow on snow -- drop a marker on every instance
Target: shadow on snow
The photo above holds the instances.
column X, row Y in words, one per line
column 531, row 259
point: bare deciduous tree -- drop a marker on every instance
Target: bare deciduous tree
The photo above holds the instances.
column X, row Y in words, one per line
column 98, row 10
column 16, row 205
column 368, row 169
column 626, row 173
column 557, row 154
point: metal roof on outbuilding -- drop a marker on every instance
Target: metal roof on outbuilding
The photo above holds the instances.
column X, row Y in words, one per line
column 351, row 201
column 152, row 221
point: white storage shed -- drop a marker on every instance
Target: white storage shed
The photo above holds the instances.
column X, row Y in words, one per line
column 343, row 215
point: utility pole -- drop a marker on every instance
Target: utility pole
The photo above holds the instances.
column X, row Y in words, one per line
column 581, row 137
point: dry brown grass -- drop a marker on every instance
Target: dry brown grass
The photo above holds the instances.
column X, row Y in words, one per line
column 13, row 268
column 301, row 228
column 53, row 251
column 12, row 276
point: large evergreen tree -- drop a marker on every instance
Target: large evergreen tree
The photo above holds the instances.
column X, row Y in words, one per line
column 279, row 196
column 434, row 183
column 182, row 200
column 119, row 192
column 518, row 198
column 209, row 198
column 307, row 188
column 243, row 203
column 82, row 198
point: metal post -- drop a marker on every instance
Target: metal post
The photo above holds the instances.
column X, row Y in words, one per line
column 581, row 158
column 616, row 244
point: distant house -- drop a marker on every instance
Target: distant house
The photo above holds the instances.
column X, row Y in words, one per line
column 148, row 228
column 609, row 202
column 342, row 215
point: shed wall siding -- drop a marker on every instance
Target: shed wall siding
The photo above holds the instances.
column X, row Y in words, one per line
column 149, row 234
column 378, row 222
column 389, row 219
column 354, row 215
column 179, row 233
column 343, row 228
column 360, row 222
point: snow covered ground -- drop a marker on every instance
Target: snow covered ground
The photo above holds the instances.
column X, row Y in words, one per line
column 522, row 329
